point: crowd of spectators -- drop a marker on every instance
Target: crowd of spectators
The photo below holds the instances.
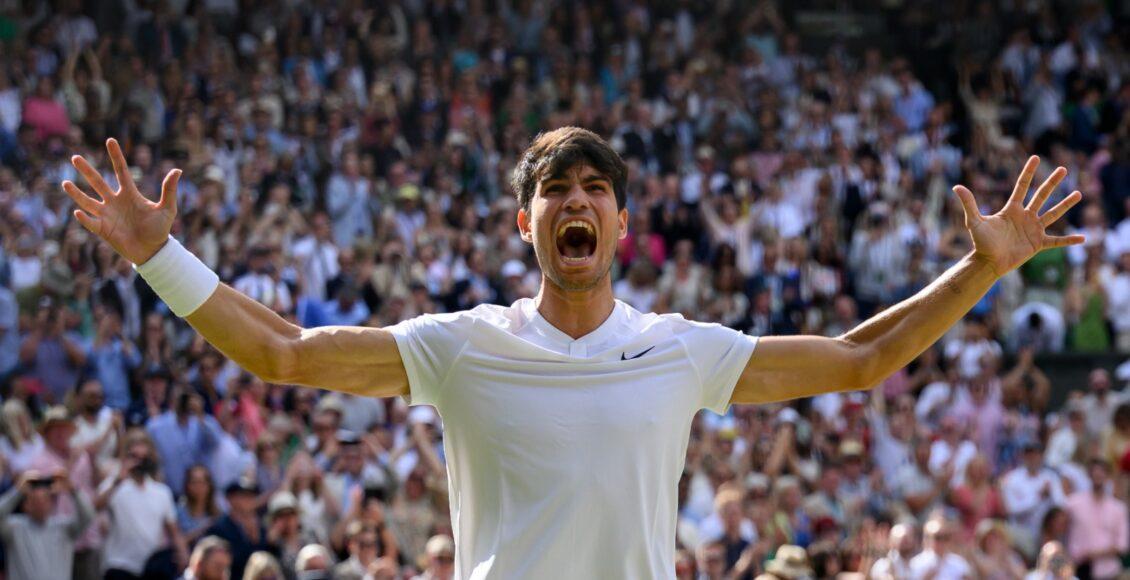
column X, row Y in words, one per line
column 348, row 163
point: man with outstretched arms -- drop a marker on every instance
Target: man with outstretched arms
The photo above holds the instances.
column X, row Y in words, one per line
column 566, row 415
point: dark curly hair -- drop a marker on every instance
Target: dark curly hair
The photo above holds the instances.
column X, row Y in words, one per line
column 555, row 152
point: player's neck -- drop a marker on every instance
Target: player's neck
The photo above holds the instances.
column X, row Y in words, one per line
column 575, row 312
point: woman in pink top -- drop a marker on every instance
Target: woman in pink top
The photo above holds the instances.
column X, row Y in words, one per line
column 44, row 112
column 977, row 498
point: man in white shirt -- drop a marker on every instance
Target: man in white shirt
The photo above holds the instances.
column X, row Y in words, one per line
column 1028, row 492
column 896, row 564
column 143, row 516
column 936, row 561
column 566, row 416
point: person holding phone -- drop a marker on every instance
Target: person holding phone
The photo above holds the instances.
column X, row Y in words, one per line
column 38, row 543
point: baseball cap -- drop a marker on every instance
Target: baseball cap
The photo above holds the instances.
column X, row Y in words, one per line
column 280, row 502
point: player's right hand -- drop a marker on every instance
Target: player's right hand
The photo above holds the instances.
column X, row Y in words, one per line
column 134, row 226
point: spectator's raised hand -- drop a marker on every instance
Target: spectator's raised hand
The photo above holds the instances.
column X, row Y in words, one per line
column 1008, row 238
column 134, row 226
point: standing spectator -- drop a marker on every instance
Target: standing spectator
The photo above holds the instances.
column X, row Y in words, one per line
column 143, row 535
column 1029, row 491
column 183, row 436
column 1100, row 526
column 197, row 509
column 895, row 564
column 54, row 355
column 114, row 357
column 1100, row 402
column 348, row 202
column 240, row 526
column 938, row 560
column 97, row 427
column 58, row 456
column 39, row 543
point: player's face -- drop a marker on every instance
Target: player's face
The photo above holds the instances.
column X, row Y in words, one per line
column 573, row 224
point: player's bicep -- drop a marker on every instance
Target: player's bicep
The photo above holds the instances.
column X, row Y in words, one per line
column 792, row 367
column 352, row 359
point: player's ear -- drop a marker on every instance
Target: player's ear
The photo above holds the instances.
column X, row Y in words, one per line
column 622, row 218
column 524, row 226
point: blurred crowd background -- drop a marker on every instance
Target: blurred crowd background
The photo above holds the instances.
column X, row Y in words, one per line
column 348, row 162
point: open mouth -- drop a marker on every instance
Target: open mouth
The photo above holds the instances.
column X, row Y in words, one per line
column 576, row 241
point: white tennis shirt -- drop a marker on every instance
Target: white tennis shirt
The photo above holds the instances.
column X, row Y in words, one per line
column 564, row 455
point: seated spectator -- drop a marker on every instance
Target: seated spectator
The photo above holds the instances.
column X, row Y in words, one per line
column 364, row 548
column 262, row 566
column 314, row 562
column 440, row 552
column 210, row 560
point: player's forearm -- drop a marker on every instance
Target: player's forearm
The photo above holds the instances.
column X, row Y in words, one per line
column 248, row 333
column 894, row 337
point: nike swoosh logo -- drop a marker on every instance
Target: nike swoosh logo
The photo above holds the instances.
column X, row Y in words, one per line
column 624, row 355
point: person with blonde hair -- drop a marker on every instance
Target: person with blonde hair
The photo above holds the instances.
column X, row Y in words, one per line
column 20, row 443
column 262, row 566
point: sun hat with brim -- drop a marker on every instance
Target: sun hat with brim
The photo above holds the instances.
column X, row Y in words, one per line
column 57, row 415
column 790, row 562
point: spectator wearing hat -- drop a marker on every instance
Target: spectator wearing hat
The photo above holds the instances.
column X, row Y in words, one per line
column 210, row 560
column 352, row 471
column 153, row 401
column 58, row 456
column 789, row 563
column 39, row 542
column 1100, row 525
column 1029, row 491
column 241, row 526
column 284, row 528
column 143, row 536
column 440, row 553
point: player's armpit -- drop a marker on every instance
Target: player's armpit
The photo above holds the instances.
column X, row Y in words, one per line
column 792, row 367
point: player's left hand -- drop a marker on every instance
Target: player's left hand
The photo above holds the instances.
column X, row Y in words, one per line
column 1008, row 238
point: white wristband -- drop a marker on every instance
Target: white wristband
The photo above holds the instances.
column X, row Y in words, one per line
column 179, row 278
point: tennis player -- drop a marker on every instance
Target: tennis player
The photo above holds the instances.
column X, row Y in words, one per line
column 566, row 416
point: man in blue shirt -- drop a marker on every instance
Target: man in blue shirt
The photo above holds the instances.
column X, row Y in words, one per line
column 184, row 436
column 114, row 358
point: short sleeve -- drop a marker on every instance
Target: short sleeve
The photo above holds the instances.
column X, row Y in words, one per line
column 720, row 354
column 428, row 346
